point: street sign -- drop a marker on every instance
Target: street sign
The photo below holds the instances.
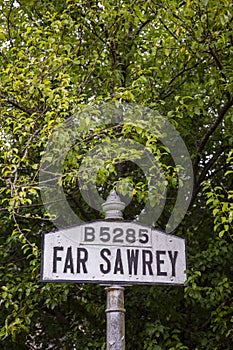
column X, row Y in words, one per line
column 113, row 252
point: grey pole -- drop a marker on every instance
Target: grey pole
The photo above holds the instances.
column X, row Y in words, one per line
column 115, row 311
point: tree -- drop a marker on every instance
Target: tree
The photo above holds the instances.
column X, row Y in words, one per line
column 174, row 57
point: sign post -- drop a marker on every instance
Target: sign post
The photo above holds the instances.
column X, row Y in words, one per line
column 115, row 315
column 115, row 312
column 113, row 252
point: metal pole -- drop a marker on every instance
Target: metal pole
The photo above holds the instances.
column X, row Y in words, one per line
column 115, row 314
column 115, row 311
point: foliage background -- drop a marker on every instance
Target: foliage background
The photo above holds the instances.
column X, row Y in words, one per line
column 172, row 56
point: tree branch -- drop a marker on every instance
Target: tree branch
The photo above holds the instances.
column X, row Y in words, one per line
column 220, row 67
column 210, row 132
column 184, row 70
column 8, row 22
column 169, row 31
column 13, row 103
column 143, row 25
column 207, row 167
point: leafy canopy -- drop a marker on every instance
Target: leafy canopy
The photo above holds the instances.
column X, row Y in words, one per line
column 174, row 57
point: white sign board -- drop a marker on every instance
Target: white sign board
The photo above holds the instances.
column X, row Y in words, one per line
column 110, row 252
